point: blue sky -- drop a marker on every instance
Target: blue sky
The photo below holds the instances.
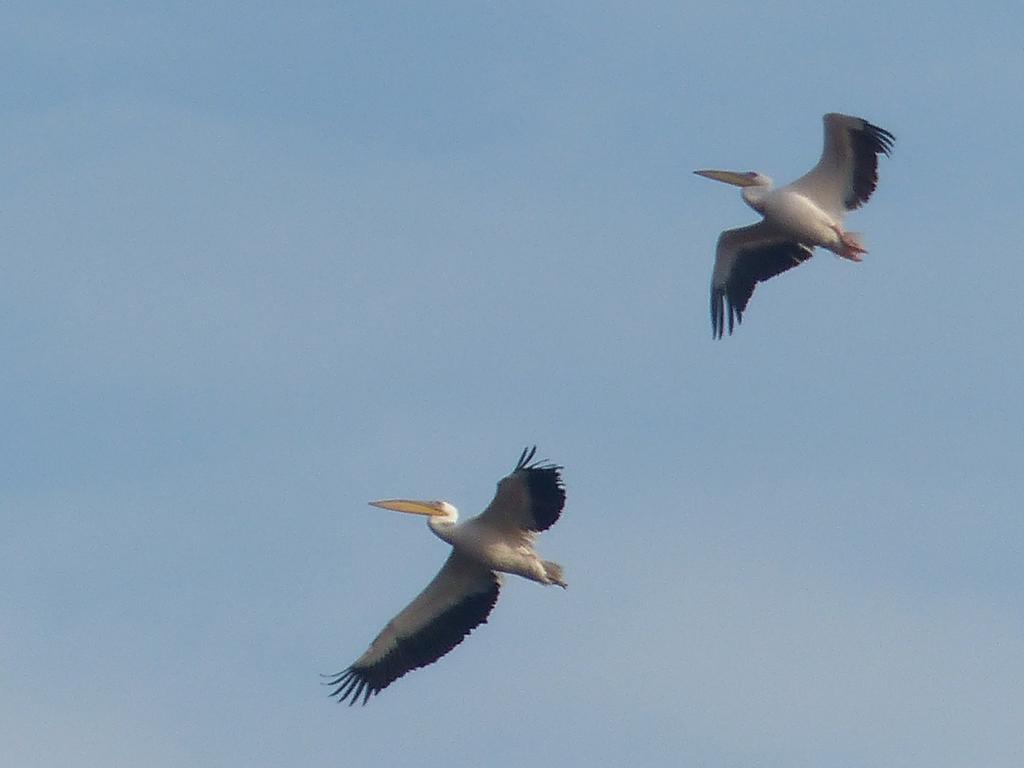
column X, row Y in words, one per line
column 263, row 264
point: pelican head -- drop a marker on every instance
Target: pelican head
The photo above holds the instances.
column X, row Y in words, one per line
column 442, row 511
column 737, row 178
column 755, row 186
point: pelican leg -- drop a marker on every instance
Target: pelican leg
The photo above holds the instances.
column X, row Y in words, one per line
column 553, row 573
column 850, row 246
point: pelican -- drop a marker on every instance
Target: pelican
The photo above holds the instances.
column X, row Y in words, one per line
column 462, row 594
column 797, row 217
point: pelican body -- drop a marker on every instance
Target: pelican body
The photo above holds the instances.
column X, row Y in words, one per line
column 461, row 596
column 797, row 217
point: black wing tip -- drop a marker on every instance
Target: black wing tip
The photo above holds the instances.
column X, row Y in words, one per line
column 720, row 302
column 869, row 141
column 525, row 457
column 882, row 140
column 716, row 312
column 547, row 490
column 736, row 312
column 352, row 684
column 527, row 462
column 547, row 495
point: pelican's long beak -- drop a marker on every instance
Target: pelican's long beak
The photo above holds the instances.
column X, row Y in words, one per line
column 729, row 177
column 429, row 508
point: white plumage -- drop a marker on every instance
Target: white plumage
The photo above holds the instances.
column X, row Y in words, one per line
column 797, row 217
column 460, row 597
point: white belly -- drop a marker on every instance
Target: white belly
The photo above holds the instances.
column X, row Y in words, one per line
column 494, row 550
column 801, row 217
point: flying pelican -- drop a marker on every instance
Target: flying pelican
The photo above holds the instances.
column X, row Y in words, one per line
column 462, row 594
column 797, row 217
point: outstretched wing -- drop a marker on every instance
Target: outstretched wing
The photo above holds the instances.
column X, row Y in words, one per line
column 847, row 173
column 530, row 499
column 458, row 599
column 745, row 257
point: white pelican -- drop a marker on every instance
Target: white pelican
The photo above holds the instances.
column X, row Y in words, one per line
column 462, row 594
column 798, row 216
